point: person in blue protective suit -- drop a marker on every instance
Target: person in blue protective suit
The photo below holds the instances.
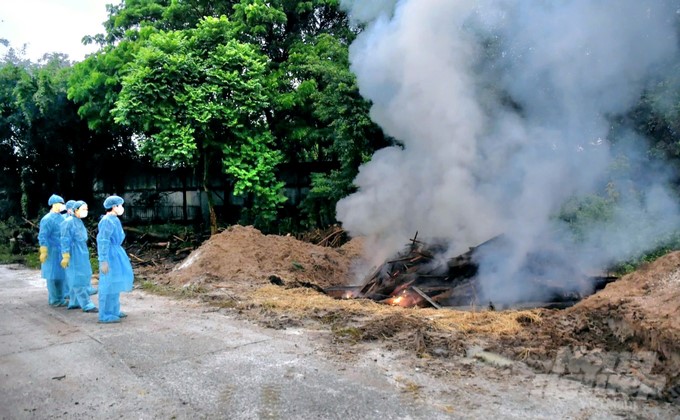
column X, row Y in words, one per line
column 49, row 237
column 115, row 270
column 76, row 258
column 69, row 207
column 67, row 213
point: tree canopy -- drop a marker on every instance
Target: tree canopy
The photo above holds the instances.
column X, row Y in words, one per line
column 232, row 90
column 199, row 96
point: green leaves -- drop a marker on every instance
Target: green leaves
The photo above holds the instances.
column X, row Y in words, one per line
column 236, row 85
column 200, row 94
column 257, row 18
column 327, row 121
column 42, row 139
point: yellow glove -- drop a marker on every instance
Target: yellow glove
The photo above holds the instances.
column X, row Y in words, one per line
column 65, row 259
column 104, row 267
column 43, row 254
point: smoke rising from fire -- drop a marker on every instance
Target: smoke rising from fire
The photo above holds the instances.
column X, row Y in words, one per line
column 505, row 109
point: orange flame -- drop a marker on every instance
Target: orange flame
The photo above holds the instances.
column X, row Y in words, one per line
column 405, row 298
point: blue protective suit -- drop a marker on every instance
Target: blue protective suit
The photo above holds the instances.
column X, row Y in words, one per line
column 69, row 212
column 119, row 278
column 49, row 236
column 79, row 270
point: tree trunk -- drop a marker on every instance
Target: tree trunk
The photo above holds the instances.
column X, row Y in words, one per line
column 185, row 210
column 208, row 193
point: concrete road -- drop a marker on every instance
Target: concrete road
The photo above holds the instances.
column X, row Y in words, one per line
column 176, row 359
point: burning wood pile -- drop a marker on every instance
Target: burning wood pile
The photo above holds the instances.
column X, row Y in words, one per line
column 420, row 277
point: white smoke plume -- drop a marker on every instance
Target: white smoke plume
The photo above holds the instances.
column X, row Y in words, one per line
column 504, row 111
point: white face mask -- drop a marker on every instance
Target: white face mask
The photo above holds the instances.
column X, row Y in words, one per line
column 119, row 210
column 82, row 214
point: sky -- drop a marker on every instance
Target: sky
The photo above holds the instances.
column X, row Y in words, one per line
column 51, row 25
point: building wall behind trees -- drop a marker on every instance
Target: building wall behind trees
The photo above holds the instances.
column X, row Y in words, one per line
column 158, row 195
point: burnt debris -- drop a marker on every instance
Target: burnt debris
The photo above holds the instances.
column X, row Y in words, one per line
column 420, row 277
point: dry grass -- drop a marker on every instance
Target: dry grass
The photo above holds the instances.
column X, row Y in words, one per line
column 408, row 386
column 303, row 302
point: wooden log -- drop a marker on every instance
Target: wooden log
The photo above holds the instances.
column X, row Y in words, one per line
column 393, row 284
column 325, row 241
column 460, row 295
column 136, row 258
column 30, row 223
column 401, row 259
column 182, row 250
column 426, row 297
column 450, row 281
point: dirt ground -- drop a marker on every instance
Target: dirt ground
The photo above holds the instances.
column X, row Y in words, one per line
column 625, row 337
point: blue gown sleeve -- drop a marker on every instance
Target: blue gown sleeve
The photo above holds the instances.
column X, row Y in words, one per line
column 42, row 233
column 104, row 239
column 66, row 236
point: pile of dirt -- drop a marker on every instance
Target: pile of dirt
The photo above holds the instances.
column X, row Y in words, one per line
column 642, row 308
column 642, row 312
column 242, row 259
column 277, row 280
column 638, row 315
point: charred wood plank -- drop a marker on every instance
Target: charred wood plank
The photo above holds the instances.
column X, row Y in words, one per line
column 460, row 295
column 426, row 297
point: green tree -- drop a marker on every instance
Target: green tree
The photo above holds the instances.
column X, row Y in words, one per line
column 12, row 125
column 198, row 97
column 315, row 112
column 273, row 25
column 51, row 142
column 127, row 18
column 94, row 86
column 657, row 116
column 325, row 119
